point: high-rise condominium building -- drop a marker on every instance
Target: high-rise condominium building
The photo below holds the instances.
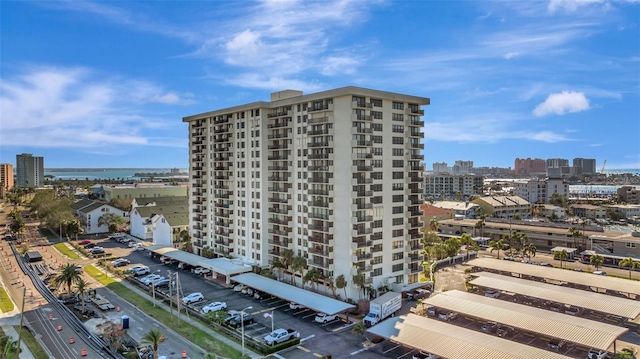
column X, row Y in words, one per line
column 584, row 166
column 29, row 170
column 6, row 178
column 530, row 166
column 333, row 176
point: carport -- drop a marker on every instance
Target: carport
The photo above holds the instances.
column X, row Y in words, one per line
column 314, row 301
column 180, row 256
column 576, row 279
column 542, row 322
column 570, row 251
column 224, row 266
column 451, row 341
column 602, row 303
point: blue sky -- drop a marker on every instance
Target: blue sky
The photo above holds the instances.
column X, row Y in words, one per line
column 106, row 84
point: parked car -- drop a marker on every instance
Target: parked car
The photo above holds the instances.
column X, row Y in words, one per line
column 159, row 283
column 325, row 318
column 238, row 288
column 545, row 264
column 79, row 268
column 213, row 307
column 193, row 298
column 418, row 294
column 281, row 335
column 492, row 293
column 169, row 261
column 293, row 305
column 201, row 270
column 448, row 316
column 503, row 331
column 124, row 240
column 139, row 270
column 431, row 311
column 424, row 355
column 236, row 318
column 258, row 295
column 84, row 242
column 597, row 354
column 557, row 344
column 184, row 266
column 599, row 272
column 120, row 262
column 151, row 277
column 96, row 250
column 89, row 245
column 133, row 244
column 490, row 327
column 138, row 247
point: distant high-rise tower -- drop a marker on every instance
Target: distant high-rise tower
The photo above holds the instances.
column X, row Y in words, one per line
column 530, row 166
column 6, row 178
column 440, row 167
column 557, row 167
column 335, row 177
column 584, row 166
column 29, row 170
column 462, row 167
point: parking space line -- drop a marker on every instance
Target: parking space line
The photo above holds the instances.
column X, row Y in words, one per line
column 307, row 338
column 264, row 310
column 318, row 355
column 303, row 349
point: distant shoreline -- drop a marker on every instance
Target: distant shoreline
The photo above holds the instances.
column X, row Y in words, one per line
column 104, row 169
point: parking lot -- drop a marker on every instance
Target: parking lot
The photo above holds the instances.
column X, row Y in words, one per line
column 317, row 339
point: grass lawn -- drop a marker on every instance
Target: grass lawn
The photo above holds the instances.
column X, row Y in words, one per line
column 189, row 332
column 62, row 248
column 6, row 305
column 31, row 343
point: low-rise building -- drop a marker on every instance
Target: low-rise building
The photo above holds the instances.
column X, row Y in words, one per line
column 143, row 190
column 589, row 211
column 160, row 218
column 504, row 206
column 629, row 194
column 540, row 190
column 445, row 185
column 89, row 213
column 460, row 209
column 551, row 211
column 627, row 210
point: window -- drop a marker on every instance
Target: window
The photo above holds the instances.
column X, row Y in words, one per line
column 397, row 152
column 398, row 105
column 376, row 102
column 397, row 128
column 396, row 210
column 397, row 117
column 377, row 115
column 397, row 267
column 376, row 163
column 376, row 175
column 376, row 224
column 397, row 244
column 398, row 163
column 397, row 186
column 398, row 221
column 376, row 187
column 376, row 272
column 398, row 198
column 397, row 233
column 376, row 139
column 631, row 245
column 376, row 126
column 397, row 140
column 398, row 175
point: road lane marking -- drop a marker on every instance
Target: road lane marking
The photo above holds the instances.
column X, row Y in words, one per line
column 303, row 349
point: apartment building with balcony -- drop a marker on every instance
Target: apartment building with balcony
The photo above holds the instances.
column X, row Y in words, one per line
column 438, row 185
column 6, row 178
column 538, row 190
column 29, row 170
column 334, row 176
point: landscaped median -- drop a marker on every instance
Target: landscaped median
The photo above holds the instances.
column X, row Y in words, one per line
column 186, row 330
column 65, row 250
column 30, row 341
column 6, row 305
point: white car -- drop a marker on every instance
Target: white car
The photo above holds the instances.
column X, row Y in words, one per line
column 214, row 307
column 193, row 298
column 239, row 288
column 120, row 262
column 138, row 247
column 139, row 270
column 150, row 278
column 600, row 272
column 424, row 355
column 201, row 270
column 597, row 354
column 325, row 318
column 293, row 305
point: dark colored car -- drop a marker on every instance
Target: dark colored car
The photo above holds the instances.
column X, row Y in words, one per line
column 235, row 319
column 89, row 245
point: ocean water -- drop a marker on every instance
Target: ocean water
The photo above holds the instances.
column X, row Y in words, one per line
column 102, row 173
column 618, row 171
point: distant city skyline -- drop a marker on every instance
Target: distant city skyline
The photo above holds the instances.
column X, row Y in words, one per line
column 106, row 84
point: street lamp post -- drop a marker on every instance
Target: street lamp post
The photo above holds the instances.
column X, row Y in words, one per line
column 242, row 325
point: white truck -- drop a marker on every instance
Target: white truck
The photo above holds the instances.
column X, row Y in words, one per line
column 383, row 307
column 280, row 336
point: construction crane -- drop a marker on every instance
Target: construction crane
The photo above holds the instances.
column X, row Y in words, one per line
column 603, row 164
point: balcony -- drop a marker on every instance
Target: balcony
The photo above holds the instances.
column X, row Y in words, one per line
column 362, row 193
column 278, row 147
column 419, row 123
column 314, row 121
column 362, row 168
column 318, row 168
column 319, row 156
column 417, row 157
column 361, row 256
column 360, row 231
column 222, row 214
column 319, row 144
column 361, row 219
column 325, row 264
column 280, row 243
column 324, row 131
column 360, row 244
column 319, row 251
column 361, row 205
column 361, row 143
column 278, row 114
column 279, row 189
column 278, row 157
column 278, row 232
column 278, row 200
column 278, row 125
column 324, row 204
column 284, row 221
column 281, row 210
column 319, row 192
column 361, row 180
column 278, row 135
column 361, row 104
column 221, row 251
column 323, row 107
column 318, row 180
column 322, row 239
column 361, row 156
column 361, row 130
column 278, row 179
column 419, row 134
column 320, row 228
column 278, row 168
column 321, row 216
column 419, row 146
column 361, row 269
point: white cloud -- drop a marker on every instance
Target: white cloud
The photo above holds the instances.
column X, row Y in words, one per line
column 561, row 103
column 569, row 5
column 512, row 55
column 337, row 65
column 70, row 107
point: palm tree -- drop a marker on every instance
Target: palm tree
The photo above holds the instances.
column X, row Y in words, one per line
column 81, row 289
column 497, row 245
column 359, row 328
column 575, row 234
column 153, row 337
column 341, row 283
column 359, row 280
column 596, row 260
column 480, row 224
column 529, row 250
column 287, row 259
column 629, row 262
column 562, row 255
column 467, row 241
column 7, row 345
column 298, row 264
column 433, row 225
column 68, row 275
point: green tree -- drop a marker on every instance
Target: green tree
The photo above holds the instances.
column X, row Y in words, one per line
column 81, row 290
column 359, row 328
column 312, row 276
column 298, row 264
column 467, row 241
column 74, row 228
column 330, row 283
column 153, row 337
column 596, row 260
column 217, row 316
column 631, row 263
column 112, row 221
column 529, row 250
column 557, row 199
column 575, row 234
column 287, row 260
column 498, row 245
column 481, row 223
column 341, row 283
column 8, row 346
column 562, row 255
column 66, row 276
column 433, row 225
column 452, row 246
column 278, row 266
column 359, row 281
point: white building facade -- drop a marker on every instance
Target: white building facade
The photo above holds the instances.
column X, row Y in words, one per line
column 540, row 190
column 334, row 176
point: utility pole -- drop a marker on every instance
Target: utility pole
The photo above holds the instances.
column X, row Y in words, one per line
column 24, row 295
column 170, row 294
column 177, row 291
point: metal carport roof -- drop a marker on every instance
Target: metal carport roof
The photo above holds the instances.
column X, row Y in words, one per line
column 311, row 300
column 224, row 266
column 451, row 341
column 609, row 283
column 543, row 322
column 626, row 308
column 181, row 256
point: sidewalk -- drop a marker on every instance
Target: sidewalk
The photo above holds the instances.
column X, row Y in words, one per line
column 11, row 332
column 196, row 324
